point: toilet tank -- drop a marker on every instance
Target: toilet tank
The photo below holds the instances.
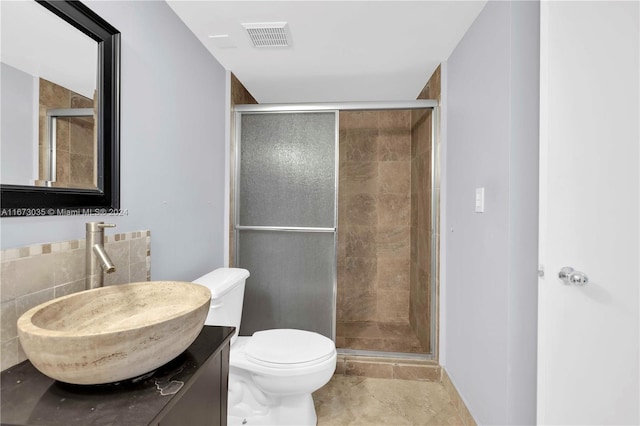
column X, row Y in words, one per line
column 227, row 295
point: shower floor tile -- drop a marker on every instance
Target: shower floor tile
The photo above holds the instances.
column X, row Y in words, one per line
column 348, row 400
column 377, row 336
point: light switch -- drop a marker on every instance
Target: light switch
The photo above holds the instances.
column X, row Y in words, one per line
column 479, row 200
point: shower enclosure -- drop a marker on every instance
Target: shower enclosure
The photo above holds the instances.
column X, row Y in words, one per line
column 68, row 157
column 334, row 218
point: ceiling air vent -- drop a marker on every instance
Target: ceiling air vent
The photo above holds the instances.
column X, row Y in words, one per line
column 268, row 34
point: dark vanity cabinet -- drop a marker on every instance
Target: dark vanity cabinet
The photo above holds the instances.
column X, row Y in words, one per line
column 190, row 390
column 205, row 402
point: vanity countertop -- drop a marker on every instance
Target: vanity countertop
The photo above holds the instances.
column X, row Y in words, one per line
column 30, row 398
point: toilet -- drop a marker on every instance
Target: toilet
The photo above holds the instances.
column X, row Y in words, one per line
column 273, row 372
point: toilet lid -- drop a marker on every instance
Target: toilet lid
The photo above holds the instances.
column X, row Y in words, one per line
column 283, row 347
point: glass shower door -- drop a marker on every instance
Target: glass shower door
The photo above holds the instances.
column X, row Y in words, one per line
column 286, row 219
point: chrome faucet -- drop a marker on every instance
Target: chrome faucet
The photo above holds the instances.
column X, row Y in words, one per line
column 95, row 254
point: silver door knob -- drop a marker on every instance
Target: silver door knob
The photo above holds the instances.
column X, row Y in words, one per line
column 571, row 276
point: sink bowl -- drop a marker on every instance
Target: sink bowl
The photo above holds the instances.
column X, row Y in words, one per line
column 113, row 333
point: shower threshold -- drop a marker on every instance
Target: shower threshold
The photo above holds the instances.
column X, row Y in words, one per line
column 388, row 365
column 384, row 354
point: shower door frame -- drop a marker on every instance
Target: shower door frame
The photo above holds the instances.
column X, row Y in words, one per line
column 430, row 104
column 52, row 116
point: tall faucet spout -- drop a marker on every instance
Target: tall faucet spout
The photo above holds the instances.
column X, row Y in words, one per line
column 96, row 255
column 105, row 261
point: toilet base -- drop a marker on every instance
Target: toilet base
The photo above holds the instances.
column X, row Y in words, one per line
column 291, row 410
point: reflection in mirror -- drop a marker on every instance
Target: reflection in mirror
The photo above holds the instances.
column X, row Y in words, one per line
column 60, row 100
column 67, row 146
column 48, row 66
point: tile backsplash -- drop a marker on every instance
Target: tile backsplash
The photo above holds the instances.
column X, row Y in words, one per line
column 36, row 274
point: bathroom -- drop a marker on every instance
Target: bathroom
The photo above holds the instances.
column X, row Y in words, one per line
column 175, row 187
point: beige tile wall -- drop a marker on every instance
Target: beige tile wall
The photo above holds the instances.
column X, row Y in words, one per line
column 419, row 309
column 36, row 274
column 374, row 216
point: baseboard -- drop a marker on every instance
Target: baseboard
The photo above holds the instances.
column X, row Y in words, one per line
column 457, row 401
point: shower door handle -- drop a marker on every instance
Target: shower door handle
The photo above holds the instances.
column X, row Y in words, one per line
column 284, row 228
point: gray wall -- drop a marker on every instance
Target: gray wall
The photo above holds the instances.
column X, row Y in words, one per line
column 491, row 257
column 18, row 138
column 173, row 146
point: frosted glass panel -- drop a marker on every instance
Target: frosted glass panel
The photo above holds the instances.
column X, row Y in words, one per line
column 287, row 169
column 291, row 282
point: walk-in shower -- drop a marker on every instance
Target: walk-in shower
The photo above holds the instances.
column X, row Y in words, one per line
column 334, row 215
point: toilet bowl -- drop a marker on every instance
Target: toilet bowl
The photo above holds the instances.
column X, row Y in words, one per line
column 273, row 372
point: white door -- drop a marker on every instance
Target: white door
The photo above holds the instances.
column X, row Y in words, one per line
column 589, row 218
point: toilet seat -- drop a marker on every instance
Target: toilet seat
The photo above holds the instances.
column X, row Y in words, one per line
column 288, row 348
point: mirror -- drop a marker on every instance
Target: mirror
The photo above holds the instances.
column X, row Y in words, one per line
column 59, row 141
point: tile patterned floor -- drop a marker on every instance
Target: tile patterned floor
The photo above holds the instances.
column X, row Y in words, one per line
column 349, row 400
column 377, row 336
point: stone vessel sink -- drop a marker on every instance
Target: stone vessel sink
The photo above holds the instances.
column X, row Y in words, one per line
column 113, row 333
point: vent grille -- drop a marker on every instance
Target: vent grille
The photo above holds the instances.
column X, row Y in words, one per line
column 268, row 34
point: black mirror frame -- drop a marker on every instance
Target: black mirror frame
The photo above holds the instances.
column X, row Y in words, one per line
column 22, row 200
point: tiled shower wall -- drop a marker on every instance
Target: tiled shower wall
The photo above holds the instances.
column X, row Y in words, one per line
column 36, row 274
column 419, row 307
column 374, row 216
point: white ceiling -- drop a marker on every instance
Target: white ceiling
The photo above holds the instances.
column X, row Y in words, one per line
column 37, row 42
column 340, row 50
